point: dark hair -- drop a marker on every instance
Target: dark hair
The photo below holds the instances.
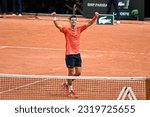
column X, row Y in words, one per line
column 73, row 16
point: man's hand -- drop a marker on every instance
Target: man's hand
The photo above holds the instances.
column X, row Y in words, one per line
column 53, row 14
column 96, row 13
column 93, row 19
column 55, row 21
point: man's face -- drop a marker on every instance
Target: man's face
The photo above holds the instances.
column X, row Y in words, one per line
column 73, row 21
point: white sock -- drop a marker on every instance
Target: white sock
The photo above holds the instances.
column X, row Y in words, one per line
column 66, row 82
column 70, row 88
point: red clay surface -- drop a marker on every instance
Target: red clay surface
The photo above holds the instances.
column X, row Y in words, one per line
column 34, row 46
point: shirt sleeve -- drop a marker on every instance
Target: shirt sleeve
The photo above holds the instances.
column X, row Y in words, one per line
column 82, row 28
column 63, row 30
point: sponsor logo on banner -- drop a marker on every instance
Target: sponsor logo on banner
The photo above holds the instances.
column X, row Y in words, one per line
column 121, row 4
column 124, row 4
column 125, row 14
column 105, row 19
column 96, row 4
column 126, row 91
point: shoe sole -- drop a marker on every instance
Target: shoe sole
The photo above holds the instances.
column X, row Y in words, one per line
column 73, row 96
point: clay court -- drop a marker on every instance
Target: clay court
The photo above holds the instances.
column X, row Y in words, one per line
column 37, row 47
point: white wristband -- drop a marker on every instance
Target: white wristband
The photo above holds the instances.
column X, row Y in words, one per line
column 54, row 18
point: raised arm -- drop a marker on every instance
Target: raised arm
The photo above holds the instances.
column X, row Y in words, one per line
column 55, row 21
column 92, row 20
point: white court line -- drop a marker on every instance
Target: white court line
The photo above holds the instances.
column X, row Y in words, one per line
column 54, row 49
column 22, row 86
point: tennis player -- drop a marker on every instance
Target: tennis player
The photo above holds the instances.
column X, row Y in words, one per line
column 73, row 57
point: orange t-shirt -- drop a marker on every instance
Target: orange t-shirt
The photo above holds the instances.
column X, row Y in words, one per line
column 72, row 37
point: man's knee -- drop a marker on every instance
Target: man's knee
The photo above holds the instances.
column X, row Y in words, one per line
column 78, row 73
column 70, row 71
